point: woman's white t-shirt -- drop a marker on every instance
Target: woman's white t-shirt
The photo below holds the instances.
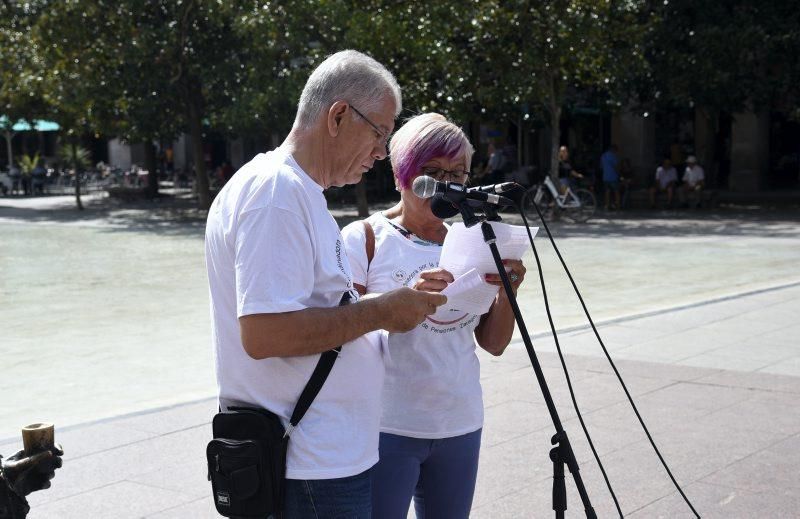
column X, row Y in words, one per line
column 272, row 247
column 432, row 384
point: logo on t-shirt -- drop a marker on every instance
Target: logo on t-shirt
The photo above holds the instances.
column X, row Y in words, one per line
column 399, row 275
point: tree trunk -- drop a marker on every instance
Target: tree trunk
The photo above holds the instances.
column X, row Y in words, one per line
column 196, row 132
column 706, row 123
column 9, row 137
column 77, row 177
column 555, row 129
column 555, row 139
column 152, row 169
column 361, row 198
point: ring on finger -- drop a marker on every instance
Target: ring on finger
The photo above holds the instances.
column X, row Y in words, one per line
column 513, row 277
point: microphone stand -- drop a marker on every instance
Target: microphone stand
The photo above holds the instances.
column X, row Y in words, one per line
column 561, row 454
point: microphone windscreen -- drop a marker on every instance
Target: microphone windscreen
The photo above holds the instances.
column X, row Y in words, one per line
column 443, row 209
column 424, row 186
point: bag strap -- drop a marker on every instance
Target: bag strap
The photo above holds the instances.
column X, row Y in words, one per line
column 370, row 234
column 318, row 377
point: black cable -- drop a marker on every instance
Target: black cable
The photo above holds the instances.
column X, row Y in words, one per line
column 605, row 351
column 561, row 356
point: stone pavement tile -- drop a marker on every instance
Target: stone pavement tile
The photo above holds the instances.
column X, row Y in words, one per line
column 757, row 349
column 535, row 500
column 777, row 341
column 696, row 396
column 772, row 470
column 789, row 366
column 584, row 342
column 667, row 350
column 601, row 391
column 521, row 384
column 703, row 335
column 635, row 474
column 511, row 360
column 97, row 470
column 746, row 325
column 648, row 368
column 697, row 449
column 772, row 411
column 172, row 419
column 187, row 476
column 657, row 325
column 782, row 319
column 768, row 297
column 607, row 440
column 120, row 500
column 198, row 509
column 513, row 465
column 759, row 380
column 718, row 501
column 751, row 324
column 723, row 361
column 512, row 419
column 621, row 334
column 660, row 420
column 87, row 439
column 517, row 476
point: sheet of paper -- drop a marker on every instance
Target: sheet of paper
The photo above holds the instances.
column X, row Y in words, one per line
column 467, row 256
column 464, row 249
column 467, row 294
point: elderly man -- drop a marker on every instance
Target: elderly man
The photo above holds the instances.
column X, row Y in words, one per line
column 693, row 182
column 666, row 178
column 277, row 271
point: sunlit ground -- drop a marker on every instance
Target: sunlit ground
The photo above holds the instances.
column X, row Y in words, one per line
column 99, row 320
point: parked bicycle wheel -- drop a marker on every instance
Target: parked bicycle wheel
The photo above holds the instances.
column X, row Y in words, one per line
column 586, row 209
column 544, row 201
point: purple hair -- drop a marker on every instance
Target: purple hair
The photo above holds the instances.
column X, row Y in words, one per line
column 422, row 138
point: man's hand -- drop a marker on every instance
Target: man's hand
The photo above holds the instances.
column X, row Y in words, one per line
column 433, row 280
column 404, row 308
column 26, row 474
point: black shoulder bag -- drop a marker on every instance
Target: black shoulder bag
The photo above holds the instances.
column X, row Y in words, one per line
column 247, row 457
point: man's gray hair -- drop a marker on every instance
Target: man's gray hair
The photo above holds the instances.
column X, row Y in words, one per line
column 347, row 76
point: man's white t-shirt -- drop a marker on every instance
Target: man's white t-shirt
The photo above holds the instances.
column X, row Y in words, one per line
column 432, row 387
column 693, row 175
column 271, row 247
column 665, row 176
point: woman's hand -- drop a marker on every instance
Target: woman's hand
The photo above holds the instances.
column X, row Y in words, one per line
column 433, row 280
column 516, row 275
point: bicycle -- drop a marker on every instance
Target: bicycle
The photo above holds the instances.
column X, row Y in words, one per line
column 577, row 205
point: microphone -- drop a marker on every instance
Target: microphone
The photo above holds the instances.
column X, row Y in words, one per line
column 496, row 188
column 427, row 187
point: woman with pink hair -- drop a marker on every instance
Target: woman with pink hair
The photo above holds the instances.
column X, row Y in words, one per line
column 432, row 400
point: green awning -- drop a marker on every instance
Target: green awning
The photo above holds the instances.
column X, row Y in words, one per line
column 39, row 125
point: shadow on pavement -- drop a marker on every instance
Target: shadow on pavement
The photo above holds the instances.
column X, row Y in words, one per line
column 178, row 216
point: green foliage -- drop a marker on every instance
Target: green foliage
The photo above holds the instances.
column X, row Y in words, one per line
column 138, row 70
column 725, row 56
column 27, row 163
column 21, row 79
column 75, row 156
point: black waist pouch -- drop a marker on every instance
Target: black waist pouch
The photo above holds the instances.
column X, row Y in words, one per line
column 247, row 457
column 247, row 462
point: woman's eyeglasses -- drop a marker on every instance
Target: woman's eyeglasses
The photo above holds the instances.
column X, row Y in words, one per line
column 443, row 175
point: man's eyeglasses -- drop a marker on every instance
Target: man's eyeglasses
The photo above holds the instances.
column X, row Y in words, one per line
column 443, row 175
column 383, row 136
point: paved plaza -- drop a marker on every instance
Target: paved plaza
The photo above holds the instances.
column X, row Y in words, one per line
column 697, row 310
